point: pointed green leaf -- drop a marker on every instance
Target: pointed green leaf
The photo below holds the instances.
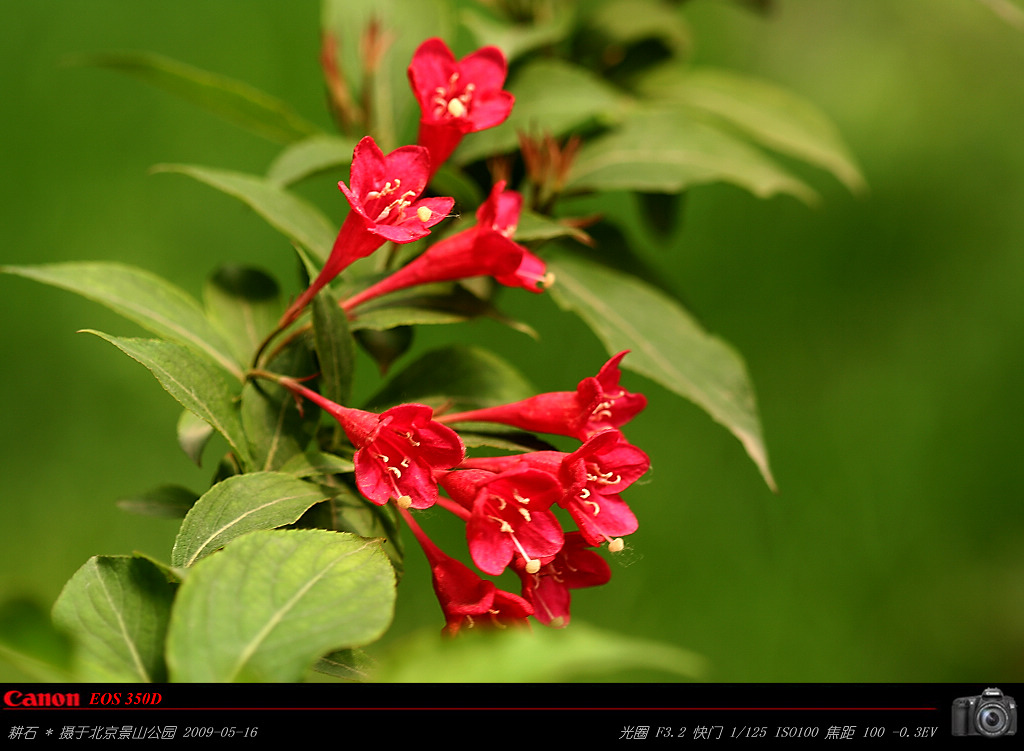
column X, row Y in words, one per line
column 246, row 304
column 240, row 504
column 232, row 100
column 667, row 344
column 294, row 217
column 317, row 463
column 303, row 594
column 310, row 157
column 117, row 610
column 553, row 97
column 501, row 437
column 531, row 656
column 664, row 150
column 142, row 297
column 456, row 376
column 429, row 305
column 770, row 115
column 192, row 379
column 193, row 435
column 335, row 348
column 165, row 502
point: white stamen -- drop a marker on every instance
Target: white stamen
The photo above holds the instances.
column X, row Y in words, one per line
column 424, row 214
column 614, row 546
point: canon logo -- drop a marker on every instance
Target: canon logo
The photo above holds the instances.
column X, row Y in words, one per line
column 18, row 699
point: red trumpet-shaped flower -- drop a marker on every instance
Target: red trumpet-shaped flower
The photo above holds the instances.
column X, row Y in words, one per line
column 397, row 451
column 486, row 249
column 384, row 206
column 457, row 97
column 598, row 403
column 465, row 598
column 574, row 567
column 592, row 478
column 509, row 515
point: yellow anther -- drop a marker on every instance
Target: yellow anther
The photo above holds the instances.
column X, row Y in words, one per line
column 456, row 108
column 424, row 214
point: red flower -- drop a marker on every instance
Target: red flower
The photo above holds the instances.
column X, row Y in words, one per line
column 384, row 205
column 591, row 477
column 465, row 598
column 574, row 567
column 397, row 451
column 457, row 97
column 598, row 403
column 486, row 249
column 509, row 515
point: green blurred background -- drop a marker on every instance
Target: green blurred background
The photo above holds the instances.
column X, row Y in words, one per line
column 884, row 333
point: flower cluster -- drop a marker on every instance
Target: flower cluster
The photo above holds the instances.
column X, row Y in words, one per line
column 407, row 453
column 510, row 504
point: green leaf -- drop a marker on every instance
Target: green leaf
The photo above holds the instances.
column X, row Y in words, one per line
column 295, row 218
column 500, row 437
column 553, row 97
column 30, row 642
column 310, row 157
column 516, row 39
column 385, row 346
column 241, row 504
column 664, row 150
column 153, row 303
column 625, row 22
column 232, row 100
column 536, row 227
column 347, row 664
column 193, row 435
column 351, row 512
column 117, row 609
column 275, row 427
column 335, row 348
column 303, row 594
column 317, row 463
column 667, row 345
column 542, row 655
column 768, row 114
column 429, row 305
column 164, row 502
column 457, row 377
column 246, row 304
column 192, row 379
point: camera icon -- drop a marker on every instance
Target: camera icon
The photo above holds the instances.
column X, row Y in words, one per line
column 991, row 714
